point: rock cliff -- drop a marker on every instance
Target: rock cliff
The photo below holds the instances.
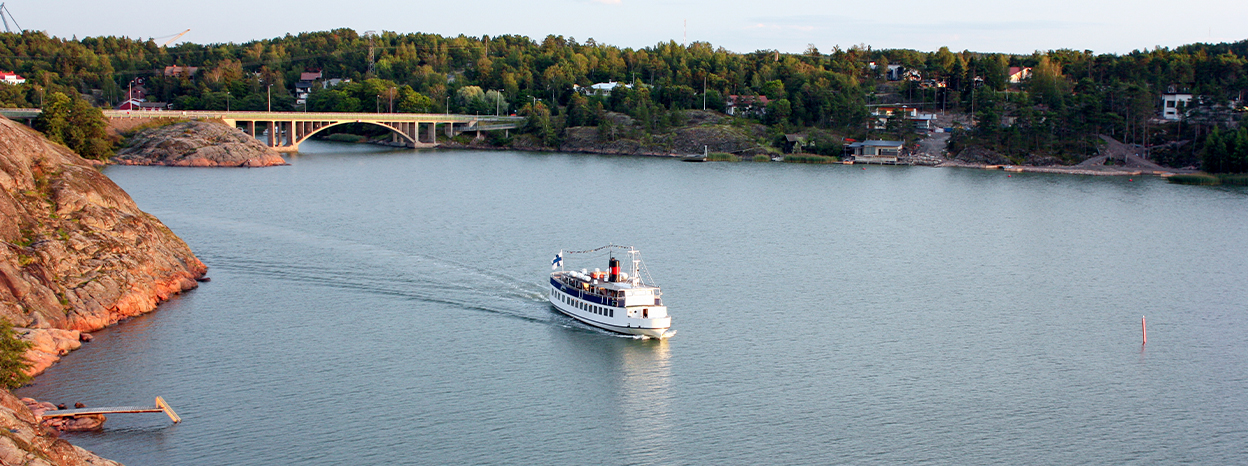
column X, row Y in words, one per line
column 75, row 251
column 197, row 144
column 25, row 441
column 76, row 254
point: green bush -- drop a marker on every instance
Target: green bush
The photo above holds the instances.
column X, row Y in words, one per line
column 13, row 361
column 344, row 137
column 74, row 123
column 807, row 158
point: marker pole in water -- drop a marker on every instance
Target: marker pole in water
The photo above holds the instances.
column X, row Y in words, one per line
column 1144, row 328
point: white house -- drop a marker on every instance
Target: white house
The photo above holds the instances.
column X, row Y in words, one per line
column 875, row 151
column 331, row 82
column 1170, row 103
column 602, row 89
column 893, row 73
column 882, row 114
column 9, row 77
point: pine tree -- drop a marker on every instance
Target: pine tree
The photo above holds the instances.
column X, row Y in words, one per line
column 13, row 361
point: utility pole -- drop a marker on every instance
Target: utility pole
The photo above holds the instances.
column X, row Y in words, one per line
column 704, row 93
column 391, row 93
column 270, row 97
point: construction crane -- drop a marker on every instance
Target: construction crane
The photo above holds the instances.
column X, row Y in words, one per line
column 175, row 37
column 5, row 11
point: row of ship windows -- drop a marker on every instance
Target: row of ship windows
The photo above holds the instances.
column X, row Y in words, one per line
column 602, row 311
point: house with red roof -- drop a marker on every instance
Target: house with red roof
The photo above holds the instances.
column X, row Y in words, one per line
column 1018, row 74
column 746, row 105
column 9, row 77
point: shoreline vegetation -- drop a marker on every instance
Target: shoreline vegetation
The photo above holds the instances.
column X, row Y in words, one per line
column 1205, row 179
column 1179, row 108
column 1118, row 160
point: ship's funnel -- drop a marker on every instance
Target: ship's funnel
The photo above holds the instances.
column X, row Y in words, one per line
column 615, row 269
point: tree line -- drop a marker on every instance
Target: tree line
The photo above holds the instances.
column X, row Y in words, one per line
column 1071, row 97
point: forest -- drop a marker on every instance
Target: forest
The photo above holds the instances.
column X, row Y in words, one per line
column 1070, row 98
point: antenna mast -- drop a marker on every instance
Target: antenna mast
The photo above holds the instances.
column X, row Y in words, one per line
column 371, row 67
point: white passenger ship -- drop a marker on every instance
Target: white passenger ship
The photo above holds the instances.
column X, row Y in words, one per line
column 611, row 300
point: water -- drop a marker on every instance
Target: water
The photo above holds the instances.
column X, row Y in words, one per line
column 386, row 307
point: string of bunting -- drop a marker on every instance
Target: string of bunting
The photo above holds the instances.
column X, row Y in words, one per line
column 616, row 246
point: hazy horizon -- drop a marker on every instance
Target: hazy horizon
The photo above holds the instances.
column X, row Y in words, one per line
column 789, row 26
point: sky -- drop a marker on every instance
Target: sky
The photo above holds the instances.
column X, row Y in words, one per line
column 790, row 26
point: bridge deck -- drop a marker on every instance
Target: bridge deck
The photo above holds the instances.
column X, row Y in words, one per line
column 285, row 130
column 287, row 116
column 161, row 407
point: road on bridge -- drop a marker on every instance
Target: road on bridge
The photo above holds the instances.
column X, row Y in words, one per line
column 284, row 131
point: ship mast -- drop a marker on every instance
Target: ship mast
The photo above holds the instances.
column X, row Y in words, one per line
column 636, row 274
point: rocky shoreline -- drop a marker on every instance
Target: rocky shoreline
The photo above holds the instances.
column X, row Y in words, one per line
column 1138, row 168
column 76, row 255
column 26, row 440
column 197, row 143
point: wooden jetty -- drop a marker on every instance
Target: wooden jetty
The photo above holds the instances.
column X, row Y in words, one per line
column 161, row 407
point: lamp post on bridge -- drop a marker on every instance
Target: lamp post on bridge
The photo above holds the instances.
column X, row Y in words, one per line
column 498, row 101
column 390, row 93
column 227, row 101
column 448, row 105
column 270, row 96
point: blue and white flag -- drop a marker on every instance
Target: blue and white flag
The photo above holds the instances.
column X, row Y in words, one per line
column 554, row 264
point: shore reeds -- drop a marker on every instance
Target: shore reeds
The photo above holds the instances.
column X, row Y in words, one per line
column 722, row 157
column 1205, row 179
column 761, row 158
column 810, row 158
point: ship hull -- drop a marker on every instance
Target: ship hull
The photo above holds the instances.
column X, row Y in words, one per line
column 613, row 319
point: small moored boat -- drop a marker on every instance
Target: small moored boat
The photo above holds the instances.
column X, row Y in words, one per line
column 611, row 300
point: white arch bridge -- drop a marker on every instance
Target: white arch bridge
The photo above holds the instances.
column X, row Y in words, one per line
column 283, row 131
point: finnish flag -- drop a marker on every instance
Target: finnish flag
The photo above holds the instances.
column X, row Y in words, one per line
column 554, row 264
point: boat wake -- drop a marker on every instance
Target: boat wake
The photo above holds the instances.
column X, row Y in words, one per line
column 368, row 268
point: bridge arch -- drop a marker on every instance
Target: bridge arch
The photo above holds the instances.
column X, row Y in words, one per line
column 316, row 127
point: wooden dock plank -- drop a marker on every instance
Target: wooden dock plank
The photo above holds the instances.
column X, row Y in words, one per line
column 161, row 407
column 110, row 410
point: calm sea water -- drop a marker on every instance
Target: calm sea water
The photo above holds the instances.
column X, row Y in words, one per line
column 386, row 307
